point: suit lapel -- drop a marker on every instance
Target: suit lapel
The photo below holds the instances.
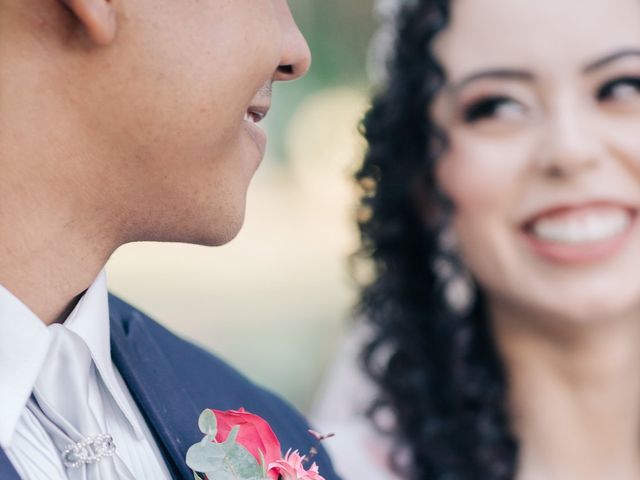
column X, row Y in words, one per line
column 161, row 397
column 7, row 472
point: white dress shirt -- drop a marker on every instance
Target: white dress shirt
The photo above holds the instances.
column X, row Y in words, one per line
column 24, row 343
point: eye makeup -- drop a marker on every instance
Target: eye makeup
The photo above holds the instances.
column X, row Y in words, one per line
column 620, row 89
column 492, row 107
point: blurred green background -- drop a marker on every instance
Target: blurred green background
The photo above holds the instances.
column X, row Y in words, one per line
column 275, row 301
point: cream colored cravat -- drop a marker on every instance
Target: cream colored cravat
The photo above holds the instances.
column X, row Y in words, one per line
column 66, row 386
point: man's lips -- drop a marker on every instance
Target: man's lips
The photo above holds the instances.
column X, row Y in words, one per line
column 257, row 113
column 260, row 104
column 252, row 117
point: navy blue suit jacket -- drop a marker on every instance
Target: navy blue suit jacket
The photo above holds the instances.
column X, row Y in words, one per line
column 172, row 381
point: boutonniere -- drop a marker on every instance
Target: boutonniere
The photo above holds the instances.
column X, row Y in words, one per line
column 239, row 445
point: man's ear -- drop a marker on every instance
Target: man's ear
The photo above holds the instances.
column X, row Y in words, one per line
column 98, row 17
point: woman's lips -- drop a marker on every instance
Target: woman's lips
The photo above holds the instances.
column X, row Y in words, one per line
column 580, row 234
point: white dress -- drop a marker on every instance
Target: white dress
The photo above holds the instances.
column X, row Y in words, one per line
column 358, row 451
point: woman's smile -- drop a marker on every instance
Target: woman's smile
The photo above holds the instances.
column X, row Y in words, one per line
column 511, row 316
column 580, row 233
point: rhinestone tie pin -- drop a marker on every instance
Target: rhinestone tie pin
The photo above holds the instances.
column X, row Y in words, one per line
column 89, row 450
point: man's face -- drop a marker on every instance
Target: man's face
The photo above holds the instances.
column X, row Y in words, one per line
column 170, row 106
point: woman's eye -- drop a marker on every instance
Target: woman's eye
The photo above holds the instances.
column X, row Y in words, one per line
column 501, row 108
column 621, row 89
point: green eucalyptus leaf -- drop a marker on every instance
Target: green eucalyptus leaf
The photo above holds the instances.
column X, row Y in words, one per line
column 233, row 436
column 204, row 457
column 224, row 461
column 208, row 423
column 263, row 463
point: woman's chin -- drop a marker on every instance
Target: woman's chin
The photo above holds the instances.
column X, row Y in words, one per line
column 585, row 311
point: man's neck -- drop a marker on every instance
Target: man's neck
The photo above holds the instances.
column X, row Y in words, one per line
column 56, row 225
column 50, row 285
column 47, row 260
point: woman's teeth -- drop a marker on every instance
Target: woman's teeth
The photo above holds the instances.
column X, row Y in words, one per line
column 583, row 227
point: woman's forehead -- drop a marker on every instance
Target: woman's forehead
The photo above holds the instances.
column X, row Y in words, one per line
column 535, row 34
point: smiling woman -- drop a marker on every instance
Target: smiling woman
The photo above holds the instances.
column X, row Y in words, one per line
column 500, row 211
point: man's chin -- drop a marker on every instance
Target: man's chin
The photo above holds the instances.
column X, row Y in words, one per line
column 219, row 234
column 217, row 240
column 211, row 227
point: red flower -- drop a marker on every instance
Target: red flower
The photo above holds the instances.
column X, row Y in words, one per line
column 255, row 435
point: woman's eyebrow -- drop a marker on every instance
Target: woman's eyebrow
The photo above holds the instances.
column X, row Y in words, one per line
column 612, row 57
column 523, row 75
column 496, row 73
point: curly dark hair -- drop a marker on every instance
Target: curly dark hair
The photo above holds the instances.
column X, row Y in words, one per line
column 442, row 376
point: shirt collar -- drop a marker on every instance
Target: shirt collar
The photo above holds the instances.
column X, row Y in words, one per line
column 90, row 320
column 24, row 342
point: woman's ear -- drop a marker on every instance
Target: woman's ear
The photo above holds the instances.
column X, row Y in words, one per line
column 98, row 17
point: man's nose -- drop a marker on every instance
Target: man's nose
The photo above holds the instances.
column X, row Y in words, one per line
column 296, row 56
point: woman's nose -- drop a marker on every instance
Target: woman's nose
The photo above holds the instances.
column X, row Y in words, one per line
column 570, row 144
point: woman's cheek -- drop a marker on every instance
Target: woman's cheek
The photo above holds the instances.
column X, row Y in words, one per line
column 484, row 181
column 478, row 177
column 624, row 141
